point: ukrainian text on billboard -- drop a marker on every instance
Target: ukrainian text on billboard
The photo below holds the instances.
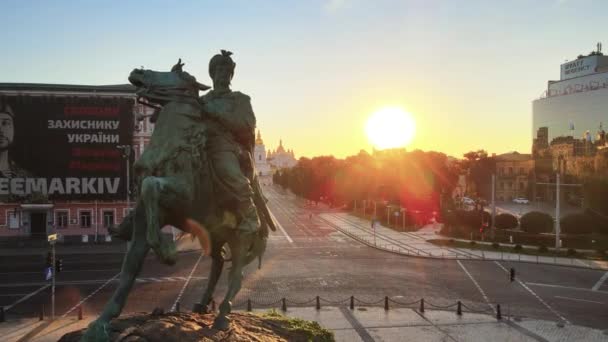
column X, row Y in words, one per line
column 65, row 147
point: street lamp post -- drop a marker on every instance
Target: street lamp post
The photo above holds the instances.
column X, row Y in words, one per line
column 126, row 149
column 558, row 184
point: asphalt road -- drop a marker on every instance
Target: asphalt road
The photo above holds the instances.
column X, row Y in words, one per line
column 306, row 258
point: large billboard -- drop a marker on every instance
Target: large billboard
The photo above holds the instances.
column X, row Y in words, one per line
column 579, row 67
column 64, row 147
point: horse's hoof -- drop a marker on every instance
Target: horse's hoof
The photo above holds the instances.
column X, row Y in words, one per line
column 199, row 308
column 221, row 323
column 97, row 331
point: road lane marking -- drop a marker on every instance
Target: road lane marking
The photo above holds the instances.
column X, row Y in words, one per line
column 6, row 308
column 600, row 282
column 280, row 227
column 91, row 295
column 566, row 287
column 483, row 294
column 579, row 300
column 535, row 295
column 179, row 296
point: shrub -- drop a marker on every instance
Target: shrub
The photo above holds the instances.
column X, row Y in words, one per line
column 571, row 251
column 472, row 243
column 578, row 223
column 495, row 245
column 505, row 221
column 599, row 222
column 543, row 249
column 517, row 247
column 537, row 222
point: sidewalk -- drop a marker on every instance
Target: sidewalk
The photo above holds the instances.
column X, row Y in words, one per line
column 185, row 244
column 397, row 324
column 416, row 244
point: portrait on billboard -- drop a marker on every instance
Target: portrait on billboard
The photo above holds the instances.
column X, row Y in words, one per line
column 9, row 168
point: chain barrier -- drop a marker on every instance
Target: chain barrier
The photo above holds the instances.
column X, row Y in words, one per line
column 289, row 301
column 267, row 304
column 404, row 304
column 440, row 306
column 369, row 303
column 478, row 311
column 334, row 302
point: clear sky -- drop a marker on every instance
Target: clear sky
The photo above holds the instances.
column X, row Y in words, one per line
column 316, row 69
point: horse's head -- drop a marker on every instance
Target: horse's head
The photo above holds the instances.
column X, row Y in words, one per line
column 163, row 87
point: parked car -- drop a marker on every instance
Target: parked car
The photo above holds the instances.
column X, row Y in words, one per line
column 521, row 200
column 468, row 201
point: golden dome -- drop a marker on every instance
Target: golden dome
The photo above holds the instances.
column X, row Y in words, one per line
column 258, row 140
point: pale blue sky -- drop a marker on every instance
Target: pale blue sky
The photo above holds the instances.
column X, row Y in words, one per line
column 466, row 70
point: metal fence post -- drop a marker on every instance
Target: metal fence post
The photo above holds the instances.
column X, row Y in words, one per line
column 283, row 304
column 352, row 302
column 421, row 304
column 459, row 309
column 318, row 303
column 248, row 304
column 385, row 303
column 498, row 313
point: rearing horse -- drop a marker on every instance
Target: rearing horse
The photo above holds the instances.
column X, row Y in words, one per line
column 176, row 188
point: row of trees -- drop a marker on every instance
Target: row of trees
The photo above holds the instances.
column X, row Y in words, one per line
column 415, row 180
column 531, row 222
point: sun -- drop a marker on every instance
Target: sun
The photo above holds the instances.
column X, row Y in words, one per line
column 390, row 127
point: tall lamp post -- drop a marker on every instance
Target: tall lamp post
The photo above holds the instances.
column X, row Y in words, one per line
column 126, row 153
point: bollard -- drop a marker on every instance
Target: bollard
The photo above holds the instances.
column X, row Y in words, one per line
column 352, row 302
column 512, row 274
column 498, row 313
column 212, row 305
column 459, row 309
column 385, row 303
column 41, row 316
column 248, row 304
column 283, row 304
column 318, row 303
column 2, row 319
column 80, row 312
column 177, row 306
column 422, row 305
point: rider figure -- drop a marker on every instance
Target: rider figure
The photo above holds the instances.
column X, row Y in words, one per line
column 230, row 140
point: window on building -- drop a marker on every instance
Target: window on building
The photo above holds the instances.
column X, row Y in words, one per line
column 502, row 171
column 13, row 219
column 510, row 171
column 61, row 219
column 510, row 185
column 85, row 219
column 502, row 186
column 108, row 218
column 521, row 170
column 260, row 157
column 521, row 186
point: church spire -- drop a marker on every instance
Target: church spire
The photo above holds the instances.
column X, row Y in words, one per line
column 258, row 140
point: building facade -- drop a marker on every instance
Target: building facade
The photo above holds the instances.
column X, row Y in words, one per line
column 514, row 173
column 281, row 158
column 262, row 168
column 568, row 126
column 76, row 143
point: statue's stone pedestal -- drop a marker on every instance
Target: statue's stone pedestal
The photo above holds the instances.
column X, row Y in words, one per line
column 185, row 327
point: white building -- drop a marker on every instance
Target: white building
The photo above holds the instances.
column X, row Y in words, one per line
column 281, row 158
column 262, row 168
column 576, row 103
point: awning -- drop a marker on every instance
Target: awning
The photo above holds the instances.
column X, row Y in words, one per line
column 37, row 206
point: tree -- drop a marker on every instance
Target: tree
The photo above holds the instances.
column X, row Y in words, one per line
column 505, row 221
column 577, row 223
column 536, row 222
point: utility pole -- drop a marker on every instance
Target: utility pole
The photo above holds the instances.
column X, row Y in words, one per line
column 558, row 185
column 557, row 227
column 127, row 154
column 493, row 206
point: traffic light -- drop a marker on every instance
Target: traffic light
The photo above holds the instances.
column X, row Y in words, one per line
column 58, row 265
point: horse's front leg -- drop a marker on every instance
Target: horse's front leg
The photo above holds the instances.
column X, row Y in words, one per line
column 238, row 246
column 217, row 265
column 131, row 266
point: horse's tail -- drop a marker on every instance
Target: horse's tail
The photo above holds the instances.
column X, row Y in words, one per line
column 197, row 230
